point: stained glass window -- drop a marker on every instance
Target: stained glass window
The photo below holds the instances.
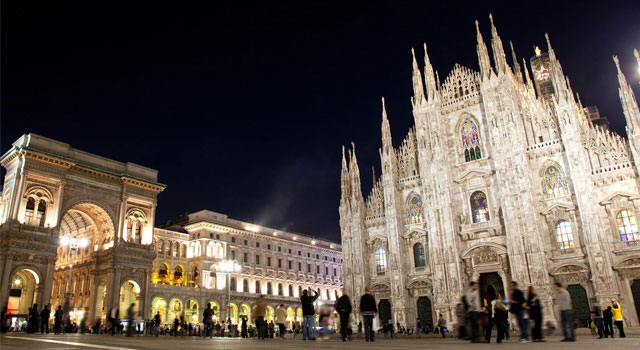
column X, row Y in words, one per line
column 416, row 215
column 418, row 255
column 554, row 183
column 479, row 207
column 627, row 226
column 470, row 141
column 381, row 260
column 564, row 237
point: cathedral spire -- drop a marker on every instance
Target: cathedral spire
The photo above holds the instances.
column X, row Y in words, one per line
column 628, row 100
column 430, row 81
column 635, row 53
column 344, row 176
column 418, row 89
column 373, row 173
column 499, row 57
column 557, row 76
column 386, row 130
column 516, row 65
column 483, row 55
column 356, row 188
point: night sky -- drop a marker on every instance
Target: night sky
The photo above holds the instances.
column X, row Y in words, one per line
column 243, row 108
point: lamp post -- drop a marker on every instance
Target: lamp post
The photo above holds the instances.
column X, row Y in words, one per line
column 228, row 267
column 73, row 242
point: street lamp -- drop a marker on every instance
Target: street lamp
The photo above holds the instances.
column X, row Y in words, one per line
column 73, row 242
column 228, row 267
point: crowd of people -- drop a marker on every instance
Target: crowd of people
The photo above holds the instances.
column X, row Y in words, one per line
column 477, row 315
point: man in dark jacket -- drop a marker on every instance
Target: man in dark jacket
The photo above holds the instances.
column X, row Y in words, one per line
column 44, row 319
column 343, row 306
column 208, row 321
column 368, row 310
column 308, row 313
column 57, row 320
column 608, row 322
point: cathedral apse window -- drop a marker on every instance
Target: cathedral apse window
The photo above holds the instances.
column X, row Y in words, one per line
column 554, row 183
column 479, row 207
column 564, row 237
column 470, row 141
column 627, row 226
column 416, row 215
column 419, row 259
column 381, row 260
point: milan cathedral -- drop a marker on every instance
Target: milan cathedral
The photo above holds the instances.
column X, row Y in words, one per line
column 504, row 177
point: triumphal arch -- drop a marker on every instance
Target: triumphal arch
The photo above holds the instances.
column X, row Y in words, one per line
column 54, row 194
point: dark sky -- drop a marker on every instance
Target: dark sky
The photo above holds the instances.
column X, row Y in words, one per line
column 243, row 108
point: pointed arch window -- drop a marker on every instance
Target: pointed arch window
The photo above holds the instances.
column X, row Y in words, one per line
column 418, row 255
column 627, row 226
column 416, row 214
column 470, row 141
column 564, row 237
column 555, row 184
column 381, row 260
column 479, row 207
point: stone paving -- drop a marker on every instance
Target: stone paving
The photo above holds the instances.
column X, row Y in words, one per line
column 74, row 341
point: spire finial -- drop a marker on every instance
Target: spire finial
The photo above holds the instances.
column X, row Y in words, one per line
column 429, row 78
column 418, row 88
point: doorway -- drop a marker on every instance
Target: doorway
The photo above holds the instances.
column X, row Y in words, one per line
column 424, row 312
column 635, row 292
column 491, row 279
column 580, row 304
column 384, row 311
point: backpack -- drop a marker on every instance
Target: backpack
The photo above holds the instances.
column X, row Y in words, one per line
column 499, row 306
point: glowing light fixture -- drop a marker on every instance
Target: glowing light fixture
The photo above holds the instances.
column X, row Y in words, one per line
column 17, row 282
column 537, row 50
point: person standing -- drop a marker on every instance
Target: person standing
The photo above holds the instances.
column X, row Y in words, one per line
column 281, row 319
column 44, row 319
column 344, row 308
column 596, row 315
column 461, row 317
column 368, row 310
column 259, row 314
column 131, row 313
column 57, row 320
column 114, row 314
column 500, row 316
column 208, row 321
column 32, row 325
column 442, row 324
column 607, row 316
column 617, row 318
column 518, row 308
column 418, row 327
column 563, row 303
column 156, row 323
column 243, row 328
column 488, row 297
column 308, row 313
column 535, row 314
column 475, row 310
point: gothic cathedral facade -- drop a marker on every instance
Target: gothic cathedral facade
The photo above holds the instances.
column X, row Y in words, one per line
column 503, row 178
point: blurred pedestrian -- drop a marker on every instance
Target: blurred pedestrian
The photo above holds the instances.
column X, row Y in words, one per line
column 368, row 310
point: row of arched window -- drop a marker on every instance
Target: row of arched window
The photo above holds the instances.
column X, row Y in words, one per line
column 625, row 220
column 280, row 289
column 35, row 212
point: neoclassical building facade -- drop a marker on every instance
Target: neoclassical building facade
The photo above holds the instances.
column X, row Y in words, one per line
column 503, row 178
column 53, row 193
column 274, row 263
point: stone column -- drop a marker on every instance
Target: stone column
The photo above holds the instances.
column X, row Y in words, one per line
column 6, row 279
column 145, row 308
column 48, row 281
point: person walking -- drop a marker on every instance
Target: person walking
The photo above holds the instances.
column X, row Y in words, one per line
column 344, row 308
column 368, row 310
column 488, row 297
column 44, row 319
column 208, row 321
column 32, row 324
column 500, row 316
column 535, row 314
column 114, row 314
column 259, row 315
column 308, row 313
column 518, row 308
column 461, row 317
column 243, row 328
column 617, row 318
column 131, row 313
column 596, row 316
column 563, row 304
column 442, row 324
column 418, row 327
column 281, row 319
column 475, row 311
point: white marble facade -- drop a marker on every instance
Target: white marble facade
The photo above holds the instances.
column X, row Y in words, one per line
column 503, row 178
